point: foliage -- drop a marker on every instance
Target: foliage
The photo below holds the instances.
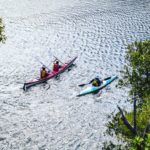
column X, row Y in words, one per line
column 137, row 143
column 2, row 36
column 136, row 73
column 111, row 146
column 137, row 70
column 116, row 125
column 140, row 143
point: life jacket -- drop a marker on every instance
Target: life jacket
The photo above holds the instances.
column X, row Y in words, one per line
column 96, row 82
column 56, row 67
column 43, row 73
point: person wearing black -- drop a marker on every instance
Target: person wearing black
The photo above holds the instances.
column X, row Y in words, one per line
column 96, row 82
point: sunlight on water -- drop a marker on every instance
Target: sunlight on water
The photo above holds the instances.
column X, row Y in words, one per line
column 50, row 116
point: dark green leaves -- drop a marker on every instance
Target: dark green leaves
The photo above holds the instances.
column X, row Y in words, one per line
column 137, row 70
column 2, row 36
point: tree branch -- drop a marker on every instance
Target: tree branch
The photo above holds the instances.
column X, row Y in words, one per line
column 134, row 115
column 127, row 124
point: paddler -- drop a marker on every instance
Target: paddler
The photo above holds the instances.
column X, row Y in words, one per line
column 96, row 81
column 56, row 66
column 43, row 72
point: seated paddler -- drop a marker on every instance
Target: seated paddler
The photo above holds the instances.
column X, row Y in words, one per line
column 43, row 72
column 96, row 82
column 56, row 66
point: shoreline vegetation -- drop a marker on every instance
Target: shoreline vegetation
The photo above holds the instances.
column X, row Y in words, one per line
column 132, row 129
column 2, row 35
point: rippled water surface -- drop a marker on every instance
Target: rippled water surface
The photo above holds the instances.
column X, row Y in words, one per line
column 50, row 116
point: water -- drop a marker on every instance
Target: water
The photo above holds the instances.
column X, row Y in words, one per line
column 50, row 116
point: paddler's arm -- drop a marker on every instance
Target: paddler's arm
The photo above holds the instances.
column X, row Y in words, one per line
column 91, row 81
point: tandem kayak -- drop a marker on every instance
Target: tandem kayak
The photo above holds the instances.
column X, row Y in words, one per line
column 93, row 89
column 52, row 74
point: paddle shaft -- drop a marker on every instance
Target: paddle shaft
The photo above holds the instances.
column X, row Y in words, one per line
column 90, row 82
column 58, row 59
column 55, row 57
column 42, row 63
column 83, row 84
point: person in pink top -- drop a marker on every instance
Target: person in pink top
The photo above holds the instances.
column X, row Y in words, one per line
column 56, row 66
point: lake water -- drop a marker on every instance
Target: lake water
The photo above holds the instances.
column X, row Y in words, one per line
column 50, row 116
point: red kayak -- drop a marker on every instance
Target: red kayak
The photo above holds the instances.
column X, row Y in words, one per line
column 52, row 74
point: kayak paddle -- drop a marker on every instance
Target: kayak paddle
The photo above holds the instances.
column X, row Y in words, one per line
column 107, row 78
column 89, row 82
column 42, row 64
column 83, row 84
column 58, row 59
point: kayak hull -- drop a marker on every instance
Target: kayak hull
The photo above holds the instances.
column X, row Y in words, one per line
column 52, row 74
column 93, row 89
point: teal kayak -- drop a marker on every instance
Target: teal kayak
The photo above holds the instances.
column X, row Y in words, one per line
column 93, row 89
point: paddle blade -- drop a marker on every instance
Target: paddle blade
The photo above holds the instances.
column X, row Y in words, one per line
column 83, row 84
column 107, row 78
